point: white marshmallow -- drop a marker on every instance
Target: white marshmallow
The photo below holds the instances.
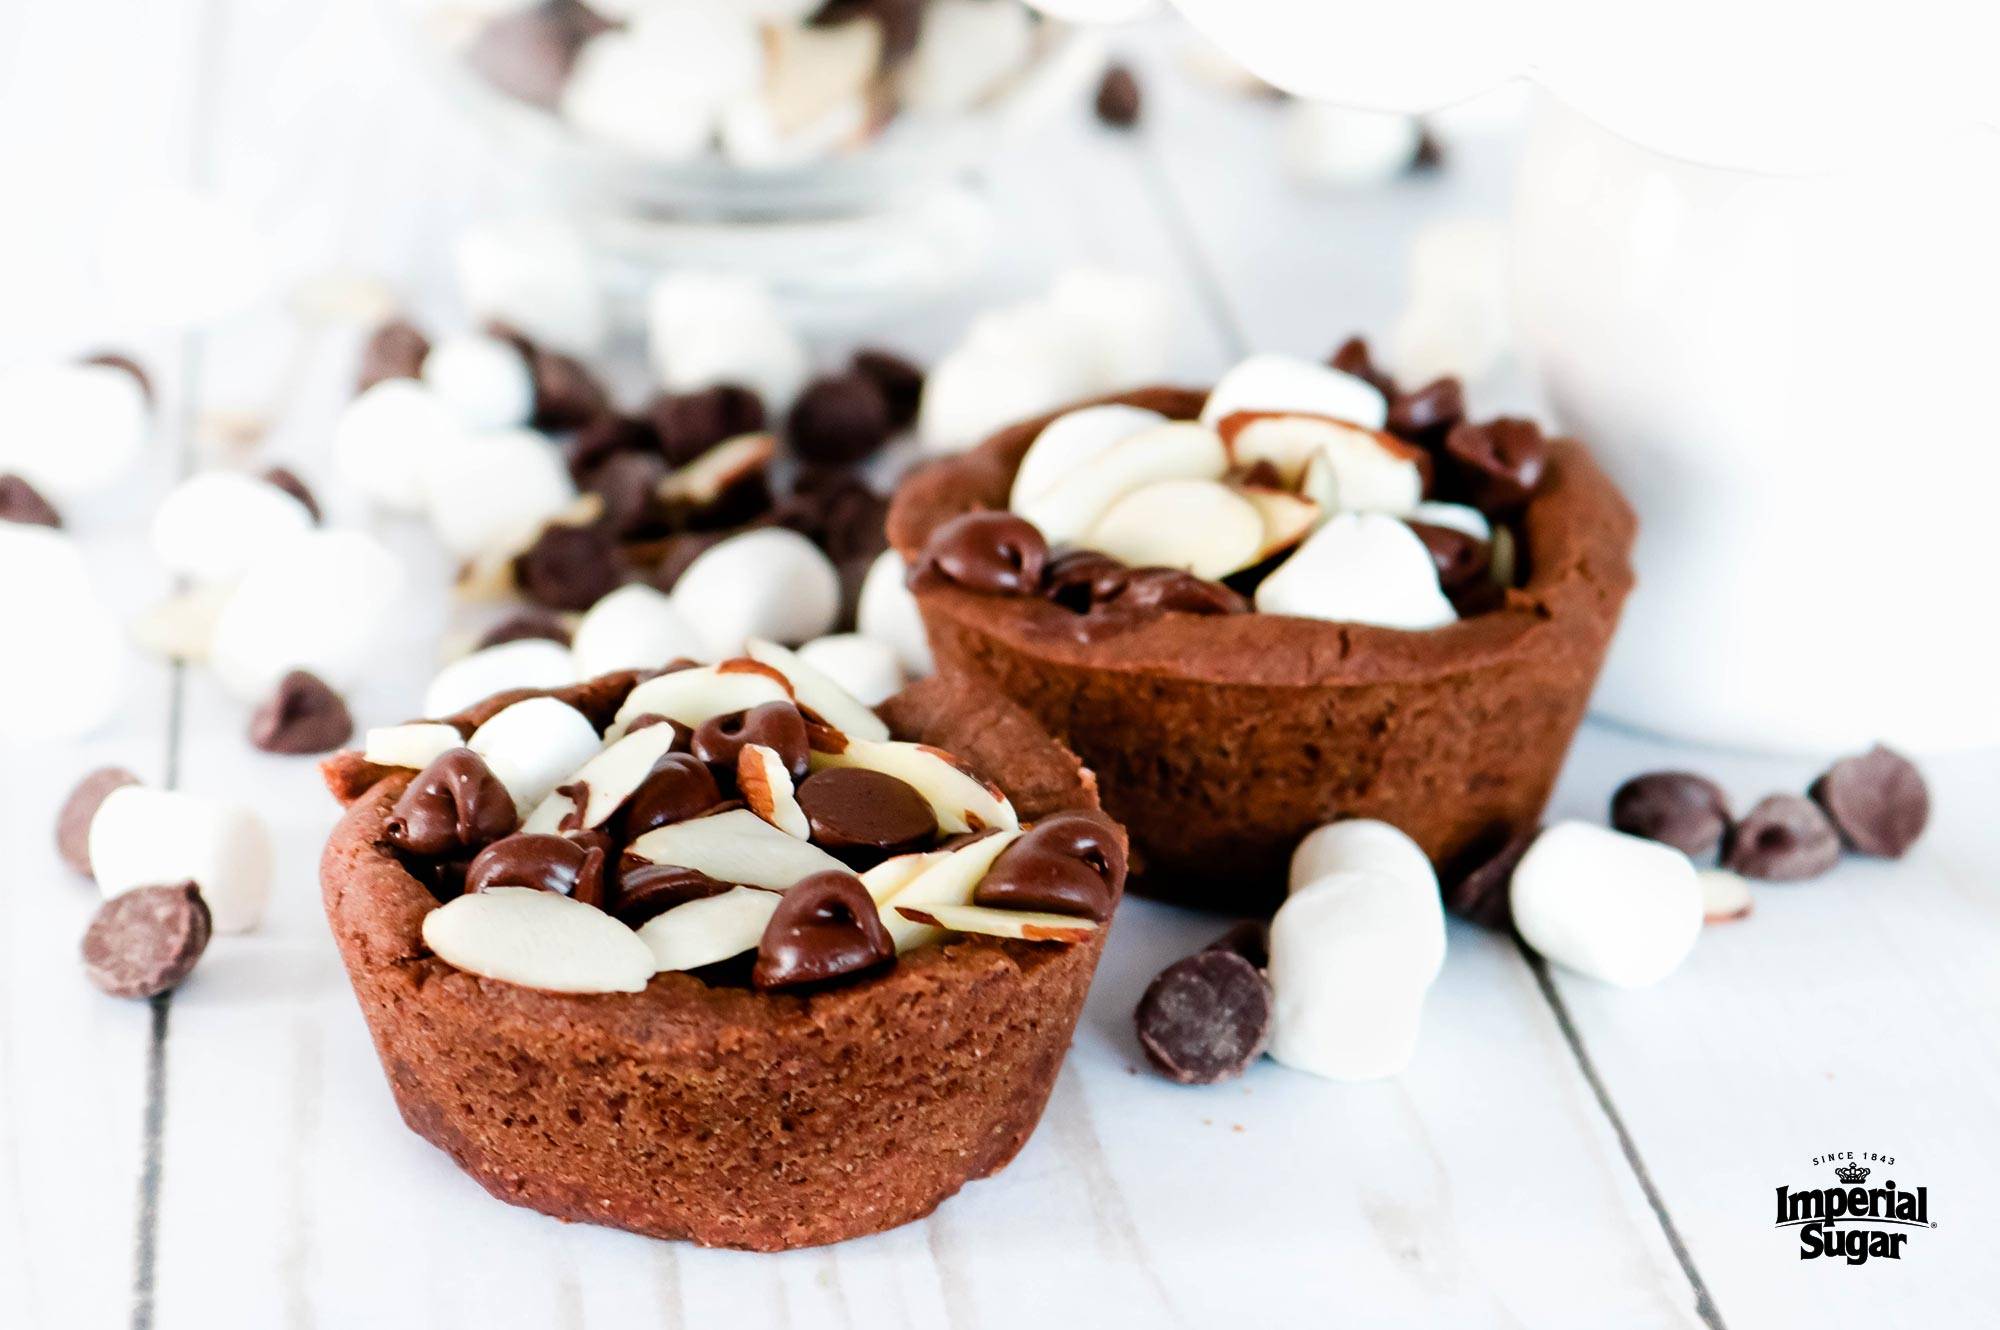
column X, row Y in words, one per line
column 888, row 613
column 1014, row 363
column 1615, row 907
column 70, row 676
column 482, row 378
column 384, row 439
column 321, row 603
column 1353, row 955
column 533, row 274
column 492, row 493
column 634, row 628
column 1072, row 439
column 535, row 745
column 706, row 328
column 1326, row 144
column 538, row 939
column 143, row 838
column 1289, row 385
column 1361, row 842
column 767, row 583
column 1124, row 317
column 1360, row 568
column 532, row 662
column 71, row 430
column 968, row 48
column 866, row 669
column 615, row 93
column 1455, row 517
column 213, row 527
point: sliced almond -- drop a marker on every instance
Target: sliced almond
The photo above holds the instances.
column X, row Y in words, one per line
column 735, row 846
column 1287, row 518
column 1180, row 450
column 1724, row 896
column 722, row 468
column 415, row 745
column 693, row 695
column 766, row 786
column 708, row 930
column 1028, row 924
column 181, row 626
column 951, row 880
column 1287, row 443
column 1279, row 383
column 1072, row 439
column 893, row 874
column 606, row 782
column 1201, row 525
column 961, row 800
column 1373, row 472
column 539, row 939
column 834, row 704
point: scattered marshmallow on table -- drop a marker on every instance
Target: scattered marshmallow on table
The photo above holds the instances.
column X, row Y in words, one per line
column 532, row 662
column 484, row 379
column 1360, row 842
column 384, row 438
column 493, row 492
column 771, row 583
column 1324, row 143
column 533, row 274
column 320, row 604
column 1605, row 904
column 1360, row 568
column 710, row 328
column 72, row 677
column 534, row 745
column 888, row 613
column 213, row 527
column 636, row 627
column 71, row 429
column 142, row 837
column 865, row 667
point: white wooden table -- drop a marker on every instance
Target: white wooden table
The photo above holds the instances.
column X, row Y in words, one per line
column 1560, row 1153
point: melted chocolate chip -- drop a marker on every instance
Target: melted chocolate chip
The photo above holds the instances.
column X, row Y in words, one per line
column 867, row 815
column 1785, row 838
column 778, row 726
column 145, row 941
column 826, row 927
column 1069, row 863
column 73, row 821
column 679, row 787
column 648, row 890
column 1080, row 580
column 540, row 863
column 838, row 420
column 569, row 567
column 1461, row 559
column 900, row 380
column 1496, row 466
column 1118, row 98
column 23, row 503
column 304, row 715
column 1877, row 801
column 1205, row 1018
column 1174, row 591
column 1353, row 357
column 288, row 480
column 1427, row 415
column 689, row 424
column 456, row 803
column 396, row 350
column 997, row 554
column 1676, row 808
column 526, row 625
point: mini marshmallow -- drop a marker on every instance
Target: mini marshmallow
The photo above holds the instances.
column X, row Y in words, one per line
column 615, row 93
column 1608, row 905
column 143, row 838
column 888, row 613
column 71, row 430
column 1367, row 845
column 213, row 527
column 709, row 328
column 64, row 667
column 766, row 583
column 492, row 493
column 321, row 603
column 1290, row 386
column 1352, row 957
column 384, row 438
column 1360, row 568
column 967, row 50
column 484, row 379
column 532, row 662
column 1453, row 516
column 534, row 275
column 865, row 668
column 538, row 939
column 1326, row 144
column 1014, row 363
column 1071, row 440
column 634, row 628
column 1125, row 319
column 535, row 745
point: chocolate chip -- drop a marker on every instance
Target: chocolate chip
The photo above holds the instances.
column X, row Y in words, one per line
column 1496, row 466
column 1080, row 580
column 118, row 360
column 567, row 394
column 1877, row 801
column 605, row 437
column 1118, row 98
column 23, row 503
column 868, row 815
column 629, row 483
column 456, row 803
column 1427, row 415
column 1205, row 1018
column 1353, row 357
column 1069, row 863
column 396, row 350
column 839, row 419
column 288, row 480
column 1481, row 892
column 776, row 725
column 679, row 787
column 900, row 379
column 145, row 941
column 1785, row 838
column 1175, row 591
column 73, row 821
column 689, row 424
column 569, row 567
column 836, row 510
column 994, row 553
column 648, row 890
column 528, row 54
column 523, row 626
column 540, row 863
column 1250, row 939
column 1430, row 152
column 1677, row 808
column 826, row 927
column 1460, row 558
column 303, row 715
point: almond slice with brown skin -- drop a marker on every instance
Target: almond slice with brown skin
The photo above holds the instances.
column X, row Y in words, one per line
column 604, row 784
column 1202, row 526
column 735, row 846
column 708, row 477
column 766, row 786
column 950, row 881
column 1287, row 517
column 693, row 695
column 1031, row 925
column 832, row 703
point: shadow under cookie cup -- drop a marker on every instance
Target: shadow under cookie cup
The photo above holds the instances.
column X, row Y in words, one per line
column 1220, row 740
column 725, row 1116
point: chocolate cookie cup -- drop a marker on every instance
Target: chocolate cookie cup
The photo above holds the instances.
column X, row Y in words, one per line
column 1220, row 739
column 721, row 1114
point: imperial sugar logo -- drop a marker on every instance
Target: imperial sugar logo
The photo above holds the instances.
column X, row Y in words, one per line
column 1853, row 1221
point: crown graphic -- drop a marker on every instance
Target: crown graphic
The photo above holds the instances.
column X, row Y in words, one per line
column 1851, row 1173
